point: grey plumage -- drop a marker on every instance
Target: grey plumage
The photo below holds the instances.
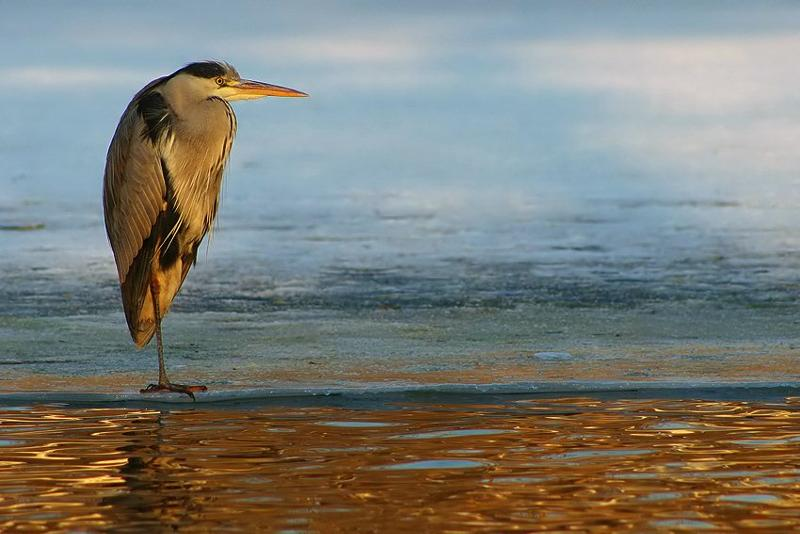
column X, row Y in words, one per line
column 162, row 182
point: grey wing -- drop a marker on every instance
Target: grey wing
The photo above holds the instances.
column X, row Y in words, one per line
column 133, row 190
column 134, row 194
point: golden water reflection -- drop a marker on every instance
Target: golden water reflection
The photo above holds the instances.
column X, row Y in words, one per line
column 533, row 464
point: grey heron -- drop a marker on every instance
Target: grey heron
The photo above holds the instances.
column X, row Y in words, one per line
column 161, row 188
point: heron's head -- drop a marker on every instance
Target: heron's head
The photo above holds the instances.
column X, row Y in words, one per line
column 215, row 78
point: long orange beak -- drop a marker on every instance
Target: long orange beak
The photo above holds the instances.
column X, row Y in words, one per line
column 253, row 89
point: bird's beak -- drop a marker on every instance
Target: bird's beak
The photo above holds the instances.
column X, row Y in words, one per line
column 249, row 89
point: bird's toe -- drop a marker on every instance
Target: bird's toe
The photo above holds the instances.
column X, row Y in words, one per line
column 174, row 388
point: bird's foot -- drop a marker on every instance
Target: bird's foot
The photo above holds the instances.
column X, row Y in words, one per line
column 176, row 388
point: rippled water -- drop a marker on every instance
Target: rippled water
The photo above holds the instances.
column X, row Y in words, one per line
column 465, row 189
column 492, row 464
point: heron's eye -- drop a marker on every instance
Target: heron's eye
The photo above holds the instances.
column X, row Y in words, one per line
column 220, row 81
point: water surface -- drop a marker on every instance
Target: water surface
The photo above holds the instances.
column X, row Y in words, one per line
column 491, row 463
column 466, row 189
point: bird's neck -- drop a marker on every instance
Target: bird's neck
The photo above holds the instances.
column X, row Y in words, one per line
column 183, row 97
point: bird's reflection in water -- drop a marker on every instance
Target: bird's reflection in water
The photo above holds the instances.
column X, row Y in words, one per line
column 529, row 463
column 154, row 492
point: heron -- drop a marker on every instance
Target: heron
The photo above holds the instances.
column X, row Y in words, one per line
column 161, row 188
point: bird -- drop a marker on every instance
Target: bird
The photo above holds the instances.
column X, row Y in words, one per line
column 161, row 188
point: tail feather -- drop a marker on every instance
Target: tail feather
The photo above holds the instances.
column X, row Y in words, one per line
column 136, row 299
column 149, row 267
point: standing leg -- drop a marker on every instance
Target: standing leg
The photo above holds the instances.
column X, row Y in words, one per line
column 162, row 370
column 163, row 381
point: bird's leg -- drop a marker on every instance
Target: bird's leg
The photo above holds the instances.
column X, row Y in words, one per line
column 162, row 371
column 163, row 381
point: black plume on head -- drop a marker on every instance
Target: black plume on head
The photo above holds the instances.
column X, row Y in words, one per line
column 210, row 69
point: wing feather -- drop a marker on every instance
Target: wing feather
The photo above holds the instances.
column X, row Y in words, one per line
column 134, row 193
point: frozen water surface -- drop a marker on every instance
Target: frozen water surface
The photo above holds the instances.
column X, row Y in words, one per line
column 465, row 190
